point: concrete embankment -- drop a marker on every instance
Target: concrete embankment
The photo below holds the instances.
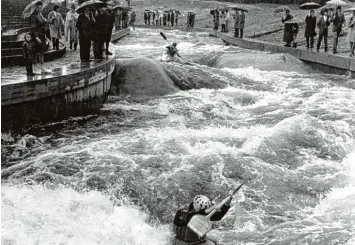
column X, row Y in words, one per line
column 73, row 90
column 325, row 62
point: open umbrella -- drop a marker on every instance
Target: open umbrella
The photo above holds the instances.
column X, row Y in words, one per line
column 336, row 3
column 240, row 9
column 310, row 5
column 30, row 8
column 326, row 8
column 350, row 10
column 281, row 9
column 91, row 4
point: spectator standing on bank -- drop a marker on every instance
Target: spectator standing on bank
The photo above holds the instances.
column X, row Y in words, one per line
column 322, row 25
column 133, row 19
column 55, row 25
column 338, row 21
column 161, row 17
column 124, row 19
column 239, row 24
column 153, row 14
column 172, row 18
column 118, row 19
column 223, row 22
column 164, row 19
column 85, row 26
column 288, row 37
column 100, row 32
column 110, row 20
column 176, row 18
column 145, row 17
column 227, row 20
column 28, row 49
column 71, row 33
column 351, row 34
column 168, row 18
column 38, row 23
column 216, row 20
column 295, row 29
column 149, row 15
column 310, row 31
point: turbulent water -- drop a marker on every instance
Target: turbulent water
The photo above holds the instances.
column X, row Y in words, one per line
column 119, row 177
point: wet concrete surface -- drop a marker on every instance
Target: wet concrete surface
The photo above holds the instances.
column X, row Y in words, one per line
column 57, row 72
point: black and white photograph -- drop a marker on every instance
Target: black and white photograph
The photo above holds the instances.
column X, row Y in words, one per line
column 177, row 122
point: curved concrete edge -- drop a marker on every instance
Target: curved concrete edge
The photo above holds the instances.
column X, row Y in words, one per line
column 14, row 37
column 73, row 90
column 56, row 97
column 50, row 55
column 62, row 80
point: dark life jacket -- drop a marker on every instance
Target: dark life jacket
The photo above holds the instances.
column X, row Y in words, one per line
column 171, row 51
column 184, row 215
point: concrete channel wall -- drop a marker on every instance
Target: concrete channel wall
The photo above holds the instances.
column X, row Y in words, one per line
column 73, row 90
column 325, row 62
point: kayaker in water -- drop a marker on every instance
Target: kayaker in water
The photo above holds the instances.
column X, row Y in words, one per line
column 200, row 205
column 172, row 50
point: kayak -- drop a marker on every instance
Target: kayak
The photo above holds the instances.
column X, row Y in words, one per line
column 167, row 58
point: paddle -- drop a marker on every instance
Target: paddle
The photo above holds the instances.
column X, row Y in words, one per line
column 162, row 34
column 201, row 224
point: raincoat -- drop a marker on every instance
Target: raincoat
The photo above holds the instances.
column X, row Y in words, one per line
column 71, row 33
column 55, row 23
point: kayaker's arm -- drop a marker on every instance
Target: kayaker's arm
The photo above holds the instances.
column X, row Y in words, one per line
column 219, row 215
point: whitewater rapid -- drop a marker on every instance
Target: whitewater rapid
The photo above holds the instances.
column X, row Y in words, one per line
column 119, row 177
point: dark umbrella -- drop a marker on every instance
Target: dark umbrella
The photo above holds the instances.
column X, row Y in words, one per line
column 310, row 5
column 240, row 9
column 281, row 9
column 91, row 4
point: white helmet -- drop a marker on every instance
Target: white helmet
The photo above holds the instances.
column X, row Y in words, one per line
column 201, row 202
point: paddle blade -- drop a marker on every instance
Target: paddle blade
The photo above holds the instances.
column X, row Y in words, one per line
column 200, row 225
column 162, row 34
column 238, row 188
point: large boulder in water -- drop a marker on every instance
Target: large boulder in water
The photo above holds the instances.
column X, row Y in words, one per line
column 194, row 77
column 141, row 78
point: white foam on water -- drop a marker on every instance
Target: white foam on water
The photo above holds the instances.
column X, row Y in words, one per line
column 38, row 215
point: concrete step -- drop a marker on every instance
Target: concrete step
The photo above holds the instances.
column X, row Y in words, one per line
column 11, row 45
column 11, row 52
column 19, row 60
